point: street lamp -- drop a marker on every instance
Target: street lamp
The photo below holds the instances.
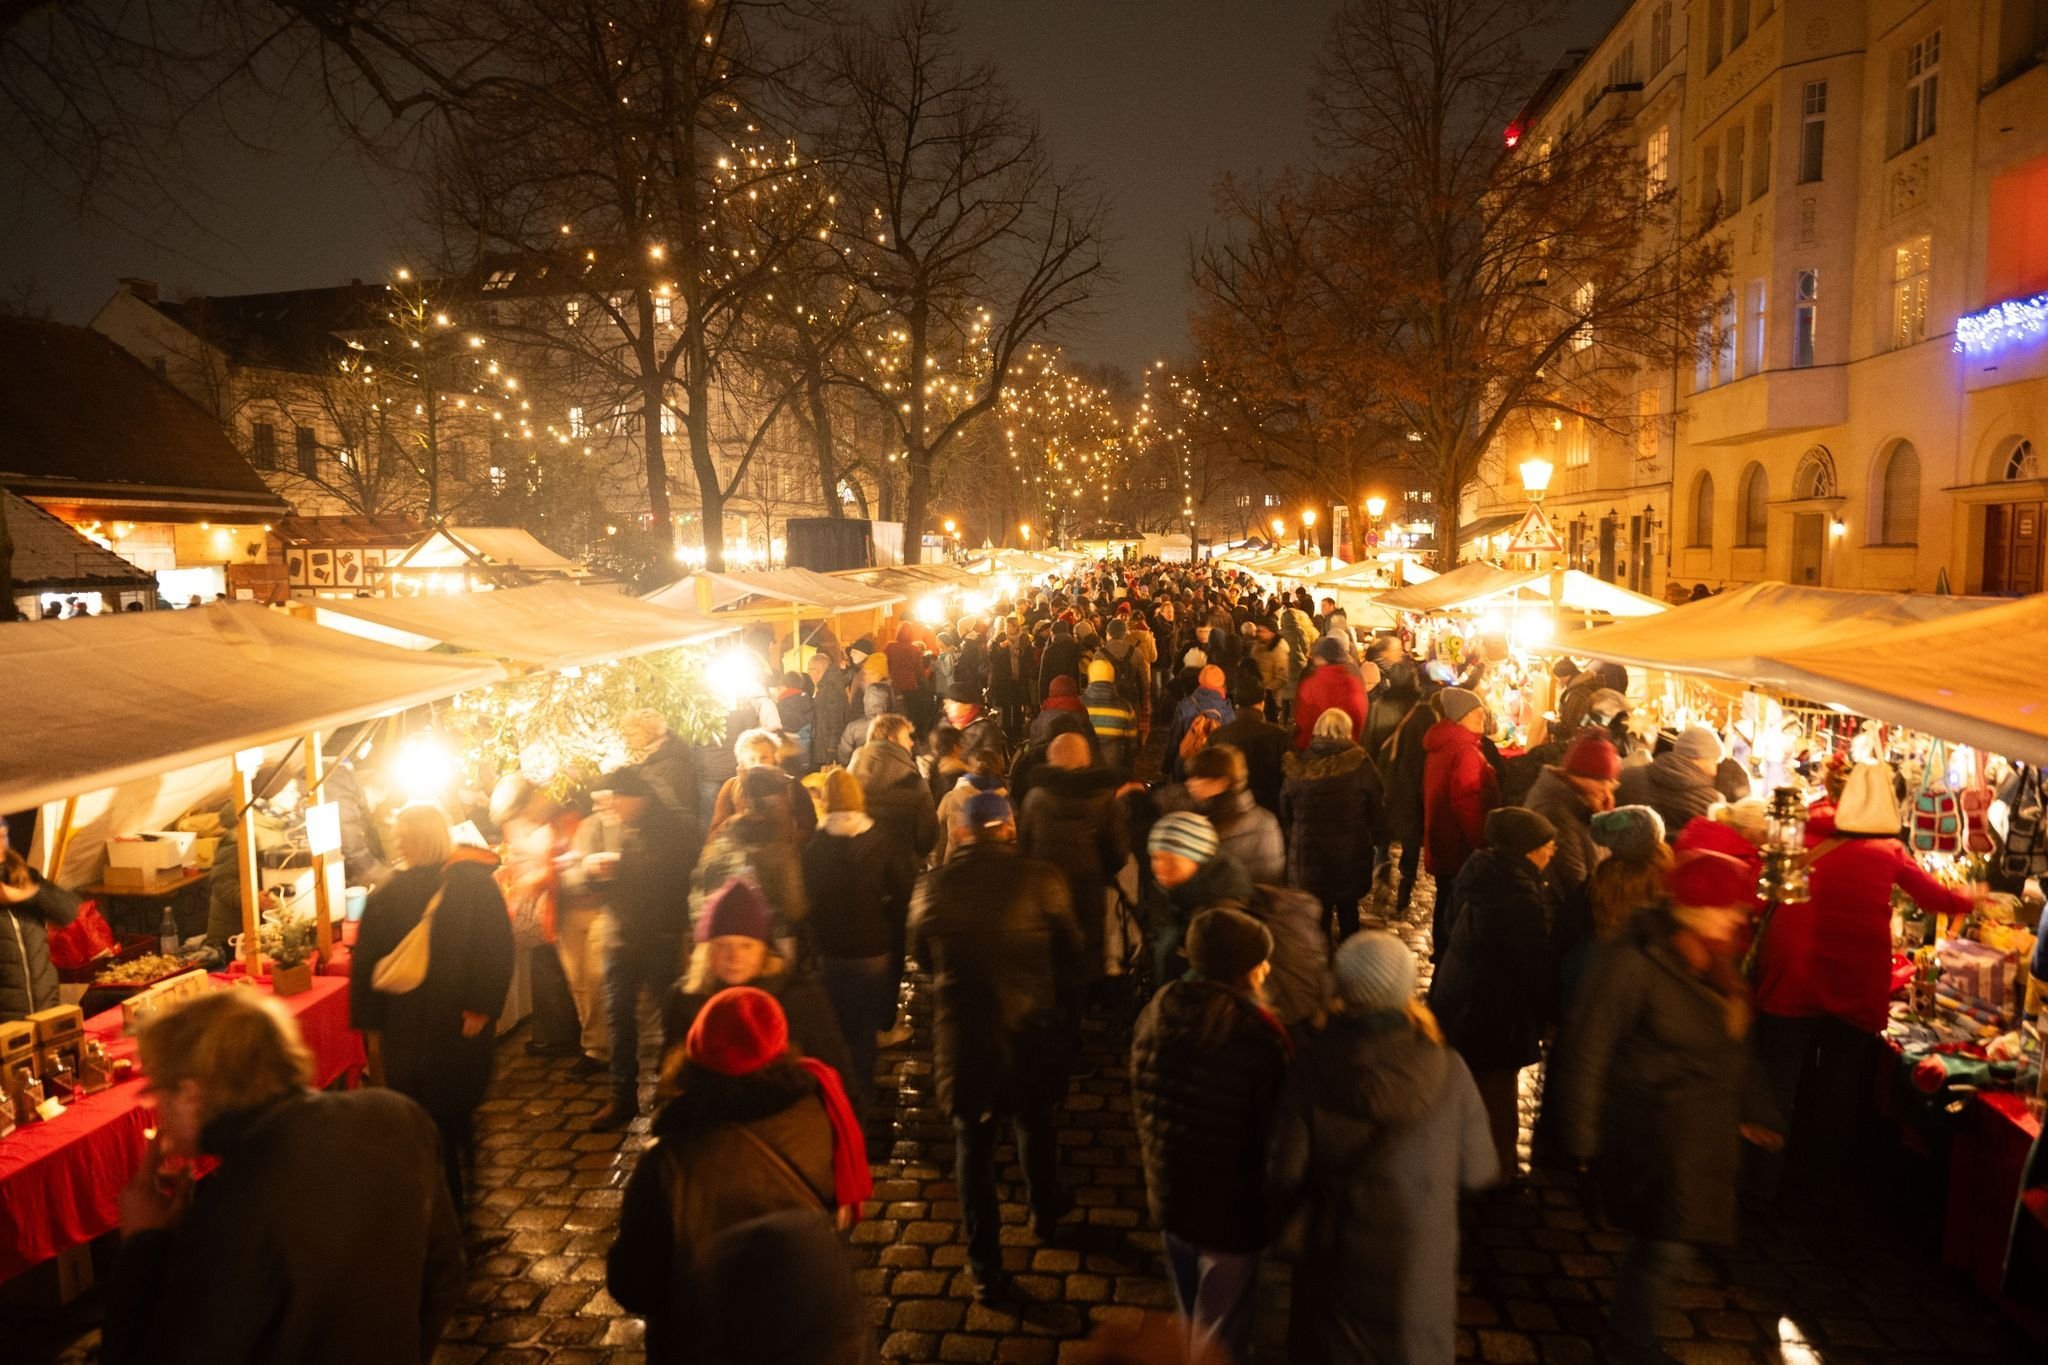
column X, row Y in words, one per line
column 951, row 527
column 1024, row 530
column 1308, row 527
column 1279, row 529
column 1536, row 473
column 1375, row 508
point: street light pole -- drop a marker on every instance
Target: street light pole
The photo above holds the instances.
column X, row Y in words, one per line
column 1536, row 472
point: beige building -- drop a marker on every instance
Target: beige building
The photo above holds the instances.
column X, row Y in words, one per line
column 1867, row 409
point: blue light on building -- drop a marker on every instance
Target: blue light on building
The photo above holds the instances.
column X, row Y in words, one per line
column 2003, row 324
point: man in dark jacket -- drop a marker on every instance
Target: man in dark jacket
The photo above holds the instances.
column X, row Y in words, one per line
column 1062, row 659
column 1330, row 808
column 647, row 886
column 669, row 766
column 980, row 731
column 997, row 934
column 1263, row 744
column 830, row 705
column 1568, row 795
column 1678, row 784
column 1207, row 1066
column 241, row 1275
column 1189, row 873
column 1071, row 819
column 876, row 699
column 29, row 907
column 1401, row 763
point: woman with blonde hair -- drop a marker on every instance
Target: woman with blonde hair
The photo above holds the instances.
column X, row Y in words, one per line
column 431, row 1034
column 735, row 946
column 231, row 1270
column 1379, row 1130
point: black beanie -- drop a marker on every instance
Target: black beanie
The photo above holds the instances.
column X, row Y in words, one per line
column 1518, row 831
column 1225, row 944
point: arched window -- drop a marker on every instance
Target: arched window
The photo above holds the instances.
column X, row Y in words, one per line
column 1898, row 496
column 2019, row 461
column 1750, row 512
column 1702, row 510
column 1815, row 477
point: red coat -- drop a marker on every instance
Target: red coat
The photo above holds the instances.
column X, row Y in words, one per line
column 1833, row 954
column 1329, row 685
column 1458, row 789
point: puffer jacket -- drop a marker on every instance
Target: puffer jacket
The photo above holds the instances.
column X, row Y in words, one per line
column 1325, row 687
column 1249, row 833
column 1458, row 789
column 998, row 936
column 1553, row 797
column 1670, row 784
column 28, row 980
column 1379, row 1131
column 1072, row 820
column 1655, row 1087
column 1495, row 986
column 1276, row 674
column 876, row 699
column 1299, row 988
column 1330, row 808
column 1207, row 1065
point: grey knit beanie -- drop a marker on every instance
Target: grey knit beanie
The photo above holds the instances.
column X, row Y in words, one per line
column 1375, row 972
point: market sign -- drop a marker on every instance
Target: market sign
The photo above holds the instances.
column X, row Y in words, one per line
column 1535, row 535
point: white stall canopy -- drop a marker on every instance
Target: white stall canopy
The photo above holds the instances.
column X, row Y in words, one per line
column 549, row 625
column 763, row 591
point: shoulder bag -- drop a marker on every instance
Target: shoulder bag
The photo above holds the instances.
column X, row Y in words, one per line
column 404, row 968
column 1936, row 824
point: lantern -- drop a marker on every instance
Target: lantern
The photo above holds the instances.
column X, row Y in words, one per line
column 1784, row 878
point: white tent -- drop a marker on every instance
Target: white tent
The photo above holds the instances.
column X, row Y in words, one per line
column 1734, row 635
column 1473, row 587
column 763, row 591
column 548, row 625
column 1385, row 574
column 1449, row 591
column 1972, row 676
column 488, row 553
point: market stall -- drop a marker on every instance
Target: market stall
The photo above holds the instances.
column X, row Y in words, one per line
column 464, row 558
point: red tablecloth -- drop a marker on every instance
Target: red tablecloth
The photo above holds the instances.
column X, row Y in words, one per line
column 60, row 1181
column 1984, row 1170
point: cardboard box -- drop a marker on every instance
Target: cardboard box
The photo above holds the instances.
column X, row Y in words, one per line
column 181, row 840
column 142, row 878
column 159, row 857
column 57, row 1022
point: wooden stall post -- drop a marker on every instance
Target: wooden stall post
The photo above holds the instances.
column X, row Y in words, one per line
column 247, row 761
column 323, row 904
column 61, row 845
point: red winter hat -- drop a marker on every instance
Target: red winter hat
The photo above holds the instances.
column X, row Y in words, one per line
column 1063, row 686
column 739, row 1031
column 1705, row 878
column 1592, row 755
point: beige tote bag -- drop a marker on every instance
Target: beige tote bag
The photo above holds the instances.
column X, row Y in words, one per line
column 404, row 968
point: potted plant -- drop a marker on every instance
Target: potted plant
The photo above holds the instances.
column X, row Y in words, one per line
column 291, row 967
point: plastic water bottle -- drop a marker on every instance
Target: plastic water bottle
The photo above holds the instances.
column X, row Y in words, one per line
column 167, row 935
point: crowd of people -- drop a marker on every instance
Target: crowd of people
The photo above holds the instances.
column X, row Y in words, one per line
column 977, row 803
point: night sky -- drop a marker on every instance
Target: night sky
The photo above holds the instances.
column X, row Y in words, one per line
column 1155, row 98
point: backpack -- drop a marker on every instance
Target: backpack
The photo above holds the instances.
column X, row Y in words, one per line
column 1200, row 731
column 1128, row 685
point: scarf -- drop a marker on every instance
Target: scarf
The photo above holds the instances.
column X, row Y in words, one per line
column 852, row 1182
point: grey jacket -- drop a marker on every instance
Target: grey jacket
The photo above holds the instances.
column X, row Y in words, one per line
column 1379, row 1131
column 1670, row 784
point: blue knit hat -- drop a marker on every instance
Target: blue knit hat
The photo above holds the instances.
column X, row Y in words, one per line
column 1185, row 833
column 989, row 808
column 1375, row 972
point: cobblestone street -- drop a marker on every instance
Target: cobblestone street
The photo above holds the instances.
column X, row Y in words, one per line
column 1536, row 1274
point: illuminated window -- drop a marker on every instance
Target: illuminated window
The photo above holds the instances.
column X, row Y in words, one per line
column 664, row 307
column 572, row 310
column 1578, row 444
column 576, row 426
column 1909, row 292
column 1582, row 307
column 1657, row 160
column 2016, row 246
column 1754, row 334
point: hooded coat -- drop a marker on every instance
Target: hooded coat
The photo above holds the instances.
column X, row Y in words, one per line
column 1655, row 1088
column 1379, row 1131
column 1326, row 686
column 830, row 710
column 1207, row 1064
column 998, row 936
column 1330, row 808
column 742, row 1148
column 898, row 800
column 28, row 980
column 1166, row 913
column 1249, row 833
column 1495, row 986
column 1670, row 784
column 1553, row 797
column 1072, row 820
column 876, row 699
column 1458, row 789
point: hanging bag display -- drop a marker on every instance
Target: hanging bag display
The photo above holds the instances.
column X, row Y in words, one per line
column 404, row 968
column 1937, row 820
column 2026, row 830
column 1978, row 837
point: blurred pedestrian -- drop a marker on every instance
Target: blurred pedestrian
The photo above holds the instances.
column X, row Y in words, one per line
column 1459, row 787
column 1330, row 806
column 1189, row 873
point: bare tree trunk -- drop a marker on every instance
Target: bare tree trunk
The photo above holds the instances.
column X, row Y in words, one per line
column 916, row 453
column 7, row 612
column 710, row 487
column 1450, row 489
column 822, row 442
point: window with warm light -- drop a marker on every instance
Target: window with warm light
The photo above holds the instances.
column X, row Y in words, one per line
column 1582, row 307
column 576, row 425
column 1578, row 444
column 664, row 310
column 1754, row 332
column 1910, row 261
column 1657, row 161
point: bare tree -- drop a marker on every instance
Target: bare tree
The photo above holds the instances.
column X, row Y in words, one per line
column 959, row 223
column 1423, row 292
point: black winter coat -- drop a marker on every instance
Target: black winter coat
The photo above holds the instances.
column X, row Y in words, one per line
column 1553, row 797
column 1400, row 761
column 250, row 1276
column 852, row 882
column 831, row 707
column 1495, row 985
column 469, row 967
column 1654, row 1090
column 1063, row 655
column 1072, row 820
column 28, row 980
column 649, row 896
column 672, row 770
column 1207, row 1067
column 1299, row 988
column 900, row 803
column 998, row 936
column 1390, row 704
column 1265, row 747
column 1330, row 809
